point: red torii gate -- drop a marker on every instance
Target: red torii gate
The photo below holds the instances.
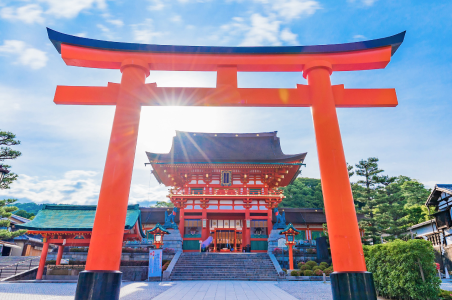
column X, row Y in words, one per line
column 101, row 278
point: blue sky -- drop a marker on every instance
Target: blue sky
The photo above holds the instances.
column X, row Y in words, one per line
column 64, row 147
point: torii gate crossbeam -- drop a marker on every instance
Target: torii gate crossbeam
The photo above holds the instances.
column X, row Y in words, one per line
column 102, row 278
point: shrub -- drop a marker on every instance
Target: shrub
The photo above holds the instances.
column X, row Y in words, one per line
column 396, row 270
column 302, row 263
column 285, row 270
column 294, row 273
column 308, row 273
column 318, row 272
column 316, row 268
column 311, row 264
column 323, row 265
column 328, row 271
column 445, row 295
column 304, row 267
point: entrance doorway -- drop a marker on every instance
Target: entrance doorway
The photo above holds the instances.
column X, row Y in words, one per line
column 226, row 240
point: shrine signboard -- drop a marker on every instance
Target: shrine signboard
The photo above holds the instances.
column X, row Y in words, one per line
column 155, row 263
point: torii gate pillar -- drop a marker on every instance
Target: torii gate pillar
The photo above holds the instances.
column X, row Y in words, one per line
column 102, row 279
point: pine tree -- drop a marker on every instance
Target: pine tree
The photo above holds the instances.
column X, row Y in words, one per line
column 303, row 192
column 5, row 213
column 365, row 192
column 8, row 139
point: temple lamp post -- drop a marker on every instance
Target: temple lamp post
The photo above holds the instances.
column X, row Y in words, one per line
column 3, row 172
column 159, row 232
column 290, row 232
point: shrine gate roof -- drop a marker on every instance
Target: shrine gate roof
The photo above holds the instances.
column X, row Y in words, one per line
column 59, row 38
column 195, row 147
column 75, row 218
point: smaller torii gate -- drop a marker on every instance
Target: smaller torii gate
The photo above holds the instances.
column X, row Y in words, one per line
column 351, row 280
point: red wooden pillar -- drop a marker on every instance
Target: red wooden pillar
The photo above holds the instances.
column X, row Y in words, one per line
column 346, row 248
column 204, row 231
column 59, row 255
column 269, row 221
column 108, row 230
column 247, row 237
column 42, row 261
column 290, row 256
column 182, row 222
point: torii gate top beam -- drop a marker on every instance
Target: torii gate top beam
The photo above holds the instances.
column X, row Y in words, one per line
column 366, row 55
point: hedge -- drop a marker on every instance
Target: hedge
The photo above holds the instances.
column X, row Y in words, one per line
column 396, row 271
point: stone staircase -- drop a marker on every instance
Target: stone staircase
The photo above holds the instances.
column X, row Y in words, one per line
column 11, row 265
column 224, row 266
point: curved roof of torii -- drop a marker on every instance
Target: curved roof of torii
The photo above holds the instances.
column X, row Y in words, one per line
column 195, row 147
column 59, row 38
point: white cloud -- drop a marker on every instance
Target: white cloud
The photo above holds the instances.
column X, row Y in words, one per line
column 176, row 19
column 144, row 33
column 288, row 36
column 118, row 23
column 156, row 5
column 75, row 187
column 71, row 8
column 263, row 31
column 26, row 55
column 31, row 13
column 359, row 37
column 365, row 2
column 292, row 9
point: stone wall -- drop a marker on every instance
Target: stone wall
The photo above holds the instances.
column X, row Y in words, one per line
column 134, row 273
column 81, row 256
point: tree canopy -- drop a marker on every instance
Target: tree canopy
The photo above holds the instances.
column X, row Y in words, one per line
column 389, row 204
column 8, row 139
column 5, row 213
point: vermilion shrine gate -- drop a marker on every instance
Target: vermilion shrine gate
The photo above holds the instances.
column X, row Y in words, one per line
column 135, row 61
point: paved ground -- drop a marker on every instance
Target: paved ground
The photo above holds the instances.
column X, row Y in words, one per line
column 447, row 284
column 196, row 290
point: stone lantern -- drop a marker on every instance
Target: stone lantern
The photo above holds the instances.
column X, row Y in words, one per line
column 159, row 232
column 290, row 232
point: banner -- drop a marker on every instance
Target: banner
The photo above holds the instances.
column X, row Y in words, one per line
column 155, row 262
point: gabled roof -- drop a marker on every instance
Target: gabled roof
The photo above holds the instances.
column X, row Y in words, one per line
column 193, row 147
column 435, row 195
column 290, row 229
column 18, row 219
column 75, row 218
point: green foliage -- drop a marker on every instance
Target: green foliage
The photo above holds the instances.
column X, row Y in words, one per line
column 328, row 271
column 7, row 139
column 316, row 268
column 318, row 272
column 445, row 295
column 300, row 264
column 311, row 264
column 305, row 267
column 303, row 192
column 24, row 214
column 308, row 273
column 396, row 270
column 29, row 207
column 164, row 204
column 323, row 265
column 294, row 273
column 5, row 212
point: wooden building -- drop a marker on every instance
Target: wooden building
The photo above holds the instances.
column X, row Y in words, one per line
column 225, row 185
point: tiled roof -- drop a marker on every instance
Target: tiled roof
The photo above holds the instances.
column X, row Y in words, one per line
column 74, row 218
column 435, row 195
column 193, row 147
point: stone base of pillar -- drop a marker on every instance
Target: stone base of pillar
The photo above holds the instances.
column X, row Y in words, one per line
column 98, row 285
column 353, row 286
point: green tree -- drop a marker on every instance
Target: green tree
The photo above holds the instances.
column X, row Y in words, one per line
column 303, row 192
column 163, row 204
column 364, row 193
column 24, row 214
column 5, row 213
column 7, row 139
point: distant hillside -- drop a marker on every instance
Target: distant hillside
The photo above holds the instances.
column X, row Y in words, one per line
column 29, row 207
